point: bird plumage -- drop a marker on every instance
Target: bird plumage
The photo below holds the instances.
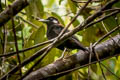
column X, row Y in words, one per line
column 54, row 29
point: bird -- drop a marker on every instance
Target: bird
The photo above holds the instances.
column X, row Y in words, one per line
column 53, row 30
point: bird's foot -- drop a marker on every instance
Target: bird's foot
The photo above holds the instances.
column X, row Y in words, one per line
column 63, row 58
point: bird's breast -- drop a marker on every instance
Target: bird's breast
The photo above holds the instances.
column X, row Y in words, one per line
column 51, row 34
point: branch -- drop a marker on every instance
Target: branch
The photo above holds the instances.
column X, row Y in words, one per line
column 16, row 45
column 8, row 13
column 79, row 1
column 104, row 50
column 26, row 49
column 67, row 35
column 80, row 27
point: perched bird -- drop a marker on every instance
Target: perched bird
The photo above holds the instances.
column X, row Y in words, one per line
column 53, row 30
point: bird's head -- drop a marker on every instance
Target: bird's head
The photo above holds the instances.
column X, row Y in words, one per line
column 50, row 20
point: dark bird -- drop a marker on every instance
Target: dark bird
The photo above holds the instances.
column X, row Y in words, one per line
column 53, row 30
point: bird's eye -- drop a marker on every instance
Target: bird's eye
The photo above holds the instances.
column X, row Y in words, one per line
column 51, row 18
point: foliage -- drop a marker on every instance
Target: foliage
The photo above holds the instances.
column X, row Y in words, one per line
column 29, row 35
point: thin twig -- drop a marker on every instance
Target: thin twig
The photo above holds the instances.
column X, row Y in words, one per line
column 90, row 55
column 110, row 36
column 28, row 22
column 79, row 1
column 15, row 27
column 26, row 61
column 22, row 36
column 101, row 19
column 16, row 45
column 90, row 19
column 36, row 63
column 105, row 29
column 98, row 59
column 79, row 12
column 76, row 68
column 63, row 54
column 113, row 30
column 116, row 19
column 26, row 49
column 110, row 71
column 113, row 13
column 50, row 46
column 108, row 33
column 114, row 9
column 4, row 47
column 62, row 32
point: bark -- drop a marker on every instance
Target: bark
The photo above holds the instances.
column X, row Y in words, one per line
column 12, row 10
column 57, row 66
column 104, row 50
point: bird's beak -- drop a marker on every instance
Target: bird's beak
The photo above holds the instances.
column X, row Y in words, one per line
column 43, row 20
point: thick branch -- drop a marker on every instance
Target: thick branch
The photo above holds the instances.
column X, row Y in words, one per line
column 12, row 10
column 38, row 53
column 106, row 49
column 65, row 36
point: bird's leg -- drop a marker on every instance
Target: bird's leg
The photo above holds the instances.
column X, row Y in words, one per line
column 63, row 54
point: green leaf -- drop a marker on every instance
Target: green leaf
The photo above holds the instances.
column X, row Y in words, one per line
column 35, row 8
column 60, row 1
column 72, row 6
column 117, row 4
column 37, row 36
column 94, row 68
column 50, row 3
column 110, row 23
column 39, row 8
column 50, row 57
column 76, row 22
column 40, row 35
column 118, row 20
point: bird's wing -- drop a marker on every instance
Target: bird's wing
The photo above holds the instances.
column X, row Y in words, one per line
column 58, row 28
column 75, row 40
